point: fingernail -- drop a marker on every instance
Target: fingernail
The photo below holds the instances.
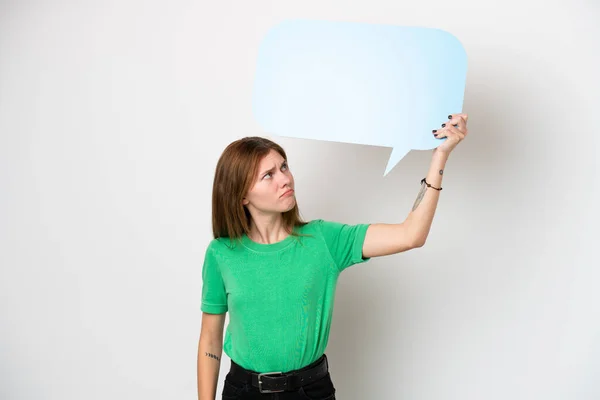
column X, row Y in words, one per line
column 443, row 125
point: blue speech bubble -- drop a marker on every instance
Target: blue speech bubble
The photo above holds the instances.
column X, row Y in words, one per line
column 359, row 83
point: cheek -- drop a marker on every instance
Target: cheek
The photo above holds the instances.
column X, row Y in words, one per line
column 264, row 195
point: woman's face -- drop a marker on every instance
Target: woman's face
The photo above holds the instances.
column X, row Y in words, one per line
column 271, row 191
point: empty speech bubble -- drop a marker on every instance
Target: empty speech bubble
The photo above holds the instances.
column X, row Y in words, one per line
column 369, row 84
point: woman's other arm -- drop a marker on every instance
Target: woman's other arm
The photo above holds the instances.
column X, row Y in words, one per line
column 210, row 349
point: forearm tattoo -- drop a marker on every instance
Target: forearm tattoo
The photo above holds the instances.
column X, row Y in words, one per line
column 422, row 193
column 420, row 196
column 213, row 356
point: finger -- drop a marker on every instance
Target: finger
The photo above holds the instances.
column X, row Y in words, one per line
column 448, row 130
column 452, row 120
column 454, row 131
column 447, row 123
column 463, row 115
column 445, row 133
column 461, row 124
column 441, row 133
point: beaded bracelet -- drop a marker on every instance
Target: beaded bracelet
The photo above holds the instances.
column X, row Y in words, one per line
column 428, row 185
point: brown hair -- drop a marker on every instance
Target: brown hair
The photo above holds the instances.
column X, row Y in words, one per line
column 234, row 177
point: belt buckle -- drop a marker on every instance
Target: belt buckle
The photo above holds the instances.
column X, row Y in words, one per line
column 260, row 383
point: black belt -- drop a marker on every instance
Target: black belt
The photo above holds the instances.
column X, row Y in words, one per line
column 275, row 382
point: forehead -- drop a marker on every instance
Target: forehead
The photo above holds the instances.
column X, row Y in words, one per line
column 270, row 160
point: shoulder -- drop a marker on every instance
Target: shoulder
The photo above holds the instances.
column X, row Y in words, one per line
column 322, row 224
column 222, row 245
column 333, row 229
column 311, row 226
column 323, row 228
column 313, row 223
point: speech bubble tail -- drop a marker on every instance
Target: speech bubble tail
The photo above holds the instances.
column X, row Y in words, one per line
column 395, row 157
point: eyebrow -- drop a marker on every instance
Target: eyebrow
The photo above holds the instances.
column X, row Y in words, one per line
column 272, row 168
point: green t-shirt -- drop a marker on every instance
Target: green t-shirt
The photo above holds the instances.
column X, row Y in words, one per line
column 279, row 296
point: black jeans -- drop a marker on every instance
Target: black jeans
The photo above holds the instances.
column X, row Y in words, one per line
column 321, row 389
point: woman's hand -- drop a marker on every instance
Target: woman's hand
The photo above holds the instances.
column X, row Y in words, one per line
column 455, row 130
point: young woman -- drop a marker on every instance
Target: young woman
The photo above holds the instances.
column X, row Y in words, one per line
column 276, row 274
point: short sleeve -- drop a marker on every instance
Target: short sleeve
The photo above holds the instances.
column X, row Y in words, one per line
column 214, row 297
column 345, row 242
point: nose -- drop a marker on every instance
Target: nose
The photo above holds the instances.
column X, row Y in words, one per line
column 285, row 179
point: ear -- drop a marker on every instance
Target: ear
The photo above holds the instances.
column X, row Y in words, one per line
column 245, row 201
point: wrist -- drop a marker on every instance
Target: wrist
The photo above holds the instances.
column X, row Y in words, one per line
column 437, row 153
column 440, row 157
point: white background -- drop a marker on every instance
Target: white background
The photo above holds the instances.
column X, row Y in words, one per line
column 113, row 115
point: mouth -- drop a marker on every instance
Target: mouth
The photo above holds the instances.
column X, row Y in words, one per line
column 288, row 193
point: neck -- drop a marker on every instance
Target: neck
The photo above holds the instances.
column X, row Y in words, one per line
column 267, row 229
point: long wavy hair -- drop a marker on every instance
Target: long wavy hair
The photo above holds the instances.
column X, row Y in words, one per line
column 234, row 177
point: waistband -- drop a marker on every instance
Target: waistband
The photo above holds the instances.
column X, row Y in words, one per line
column 273, row 382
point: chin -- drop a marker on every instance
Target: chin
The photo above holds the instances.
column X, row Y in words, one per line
column 286, row 209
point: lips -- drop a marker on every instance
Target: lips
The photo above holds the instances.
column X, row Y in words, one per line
column 288, row 192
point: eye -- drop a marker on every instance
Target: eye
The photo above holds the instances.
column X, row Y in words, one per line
column 283, row 165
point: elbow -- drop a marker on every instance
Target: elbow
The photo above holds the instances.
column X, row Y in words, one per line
column 416, row 235
column 419, row 242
